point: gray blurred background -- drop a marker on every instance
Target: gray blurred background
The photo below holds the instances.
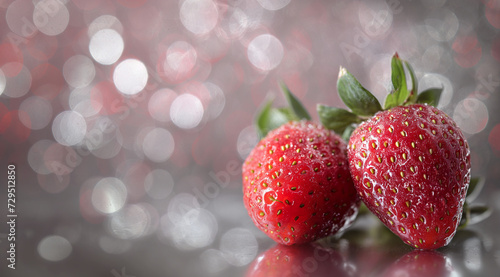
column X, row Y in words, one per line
column 127, row 122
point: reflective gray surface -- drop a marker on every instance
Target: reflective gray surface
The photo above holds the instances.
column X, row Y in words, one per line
column 128, row 121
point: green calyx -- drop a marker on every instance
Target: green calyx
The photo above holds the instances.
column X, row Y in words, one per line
column 363, row 104
column 270, row 118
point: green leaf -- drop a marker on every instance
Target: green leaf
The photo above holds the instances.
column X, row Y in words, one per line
column 355, row 96
column 270, row 118
column 430, row 96
column 475, row 186
column 336, row 119
column 294, row 103
column 414, row 84
column 400, row 93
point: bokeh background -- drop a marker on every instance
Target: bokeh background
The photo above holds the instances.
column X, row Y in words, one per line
column 128, row 121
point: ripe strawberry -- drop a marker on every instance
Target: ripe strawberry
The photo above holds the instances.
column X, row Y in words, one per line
column 411, row 166
column 409, row 161
column 296, row 184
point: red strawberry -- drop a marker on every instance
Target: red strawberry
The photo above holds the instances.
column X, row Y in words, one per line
column 298, row 260
column 296, row 184
column 411, row 166
column 410, row 163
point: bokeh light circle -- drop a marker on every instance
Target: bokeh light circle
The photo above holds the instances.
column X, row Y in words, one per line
column 186, row 111
column 106, row 46
column 199, row 16
column 471, row 115
column 51, row 17
column 273, row 5
column 130, row 76
column 109, row 195
column 69, row 128
column 158, row 145
column 265, row 52
column 54, row 248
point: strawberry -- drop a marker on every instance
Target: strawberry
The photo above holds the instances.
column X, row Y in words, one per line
column 296, row 182
column 409, row 161
column 411, row 166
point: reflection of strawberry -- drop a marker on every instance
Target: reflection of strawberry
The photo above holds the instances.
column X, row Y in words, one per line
column 409, row 161
column 298, row 260
column 420, row 263
column 296, row 184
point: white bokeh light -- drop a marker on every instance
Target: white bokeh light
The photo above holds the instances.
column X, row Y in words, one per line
column 18, row 17
column 69, row 128
column 54, row 248
column 158, row 145
column 109, row 195
column 199, row 16
column 37, row 112
column 265, row 52
column 186, row 111
column 273, row 5
column 51, row 17
column 130, row 76
column 79, row 71
column 471, row 115
column 106, row 46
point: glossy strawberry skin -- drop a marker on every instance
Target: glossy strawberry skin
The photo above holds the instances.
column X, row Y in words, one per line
column 411, row 167
column 296, row 184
